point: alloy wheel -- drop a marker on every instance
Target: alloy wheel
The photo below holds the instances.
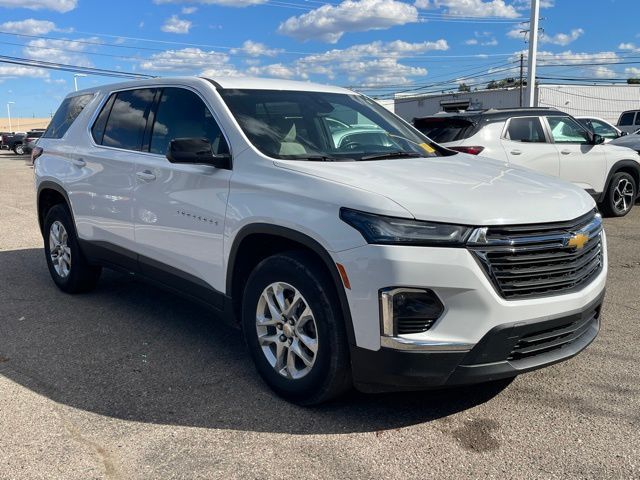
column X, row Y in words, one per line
column 59, row 250
column 287, row 330
column 623, row 195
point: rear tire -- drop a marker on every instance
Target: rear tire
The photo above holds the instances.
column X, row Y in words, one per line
column 18, row 149
column 621, row 195
column 68, row 267
column 294, row 329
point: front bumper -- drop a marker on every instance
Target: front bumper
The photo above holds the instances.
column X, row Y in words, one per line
column 505, row 351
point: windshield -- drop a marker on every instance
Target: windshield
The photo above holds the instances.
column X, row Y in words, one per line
column 323, row 126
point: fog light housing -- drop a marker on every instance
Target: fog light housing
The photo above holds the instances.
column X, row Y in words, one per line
column 408, row 310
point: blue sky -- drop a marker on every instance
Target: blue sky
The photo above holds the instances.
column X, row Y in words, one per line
column 378, row 46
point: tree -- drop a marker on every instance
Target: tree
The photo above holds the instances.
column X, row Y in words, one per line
column 463, row 87
column 633, row 81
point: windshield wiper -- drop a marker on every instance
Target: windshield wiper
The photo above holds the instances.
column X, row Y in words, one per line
column 324, row 158
column 399, row 154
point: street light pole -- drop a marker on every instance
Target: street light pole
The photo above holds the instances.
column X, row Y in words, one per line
column 9, row 114
column 533, row 52
column 75, row 79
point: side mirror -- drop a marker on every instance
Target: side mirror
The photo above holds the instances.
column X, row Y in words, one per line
column 196, row 151
column 624, row 134
column 597, row 139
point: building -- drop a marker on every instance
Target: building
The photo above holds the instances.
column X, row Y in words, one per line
column 23, row 124
column 605, row 101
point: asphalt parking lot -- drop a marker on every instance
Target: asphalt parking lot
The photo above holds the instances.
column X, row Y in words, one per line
column 131, row 382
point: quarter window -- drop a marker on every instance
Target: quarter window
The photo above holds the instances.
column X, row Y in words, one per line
column 66, row 115
column 567, row 130
column 527, row 130
column 127, row 120
column 182, row 114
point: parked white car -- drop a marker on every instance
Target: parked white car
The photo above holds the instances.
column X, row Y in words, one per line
column 548, row 141
column 384, row 261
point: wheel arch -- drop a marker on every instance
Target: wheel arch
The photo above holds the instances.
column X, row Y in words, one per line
column 628, row 166
column 255, row 242
column 50, row 194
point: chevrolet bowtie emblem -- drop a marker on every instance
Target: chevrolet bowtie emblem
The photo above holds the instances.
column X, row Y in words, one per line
column 578, row 241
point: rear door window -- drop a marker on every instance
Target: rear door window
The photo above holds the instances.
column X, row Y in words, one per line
column 128, row 118
column 626, row 119
column 528, row 130
column 66, row 115
column 443, row 130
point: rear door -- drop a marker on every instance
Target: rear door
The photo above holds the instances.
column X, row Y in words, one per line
column 581, row 162
column 526, row 144
column 180, row 208
column 105, row 214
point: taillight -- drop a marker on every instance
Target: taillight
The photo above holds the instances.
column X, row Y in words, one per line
column 476, row 150
column 35, row 153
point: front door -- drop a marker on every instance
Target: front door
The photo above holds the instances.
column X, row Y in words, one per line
column 581, row 162
column 179, row 209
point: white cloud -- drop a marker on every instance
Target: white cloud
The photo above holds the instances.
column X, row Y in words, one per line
column 329, row 22
column 633, row 72
column 477, row 8
column 423, row 4
column 471, row 41
column 224, row 3
column 275, row 70
column 256, row 49
column 29, row 27
column 569, row 57
column 526, row 4
column 61, row 6
column 189, row 60
column 12, row 71
column 189, row 10
column 629, row 46
column 174, row 24
column 61, row 51
column 603, row 72
column 562, row 39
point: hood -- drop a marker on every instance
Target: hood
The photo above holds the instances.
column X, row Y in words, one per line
column 461, row 189
column 630, row 141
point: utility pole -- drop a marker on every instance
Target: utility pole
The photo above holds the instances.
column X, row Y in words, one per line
column 521, row 77
column 533, row 52
column 9, row 114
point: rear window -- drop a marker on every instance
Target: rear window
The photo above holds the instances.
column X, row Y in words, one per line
column 66, row 115
column 626, row 119
column 443, row 130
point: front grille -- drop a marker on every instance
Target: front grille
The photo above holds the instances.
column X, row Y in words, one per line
column 550, row 339
column 526, row 261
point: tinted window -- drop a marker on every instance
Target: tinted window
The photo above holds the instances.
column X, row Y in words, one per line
column 101, row 122
column 444, row 129
column 637, row 119
column 604, row 130
column 128, row 118
column 626, row 119
column 526, row 130
column 182, row 114
column 65, row 115
column 567, row 130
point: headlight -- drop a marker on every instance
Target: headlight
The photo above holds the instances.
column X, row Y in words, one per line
column 383, row 230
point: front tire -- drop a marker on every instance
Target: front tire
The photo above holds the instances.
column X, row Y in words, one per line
column 18, row 149
column 68, row 267
column 621, row 195
column 294, row 329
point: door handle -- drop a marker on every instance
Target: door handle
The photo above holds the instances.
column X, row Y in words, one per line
column 146, row 176
column 79, row 162
column 565, row 152
column 516, row 152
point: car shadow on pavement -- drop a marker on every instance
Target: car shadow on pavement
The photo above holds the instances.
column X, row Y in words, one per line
column 131, row 351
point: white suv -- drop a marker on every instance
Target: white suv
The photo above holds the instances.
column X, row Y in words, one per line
column 350, row 249
column 548, row 141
